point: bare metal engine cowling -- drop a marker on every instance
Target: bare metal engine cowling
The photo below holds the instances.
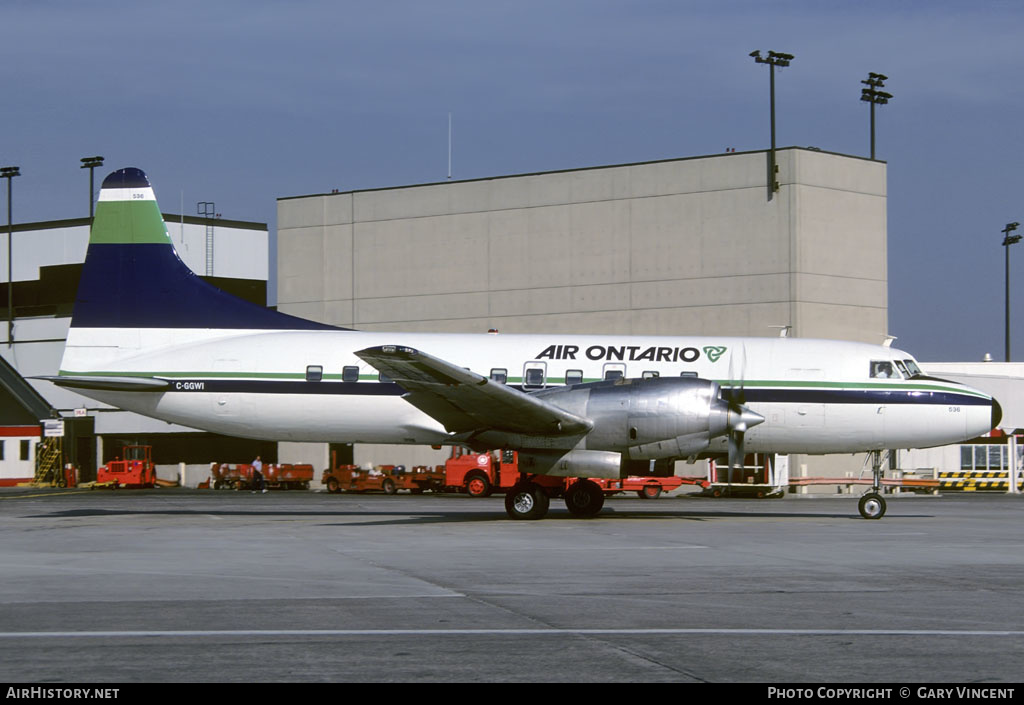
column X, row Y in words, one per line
column 647, row 419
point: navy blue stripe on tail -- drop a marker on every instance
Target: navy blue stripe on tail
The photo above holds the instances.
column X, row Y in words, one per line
column 146, row 285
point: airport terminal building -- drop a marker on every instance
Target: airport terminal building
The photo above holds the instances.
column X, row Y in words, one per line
column 682, row 246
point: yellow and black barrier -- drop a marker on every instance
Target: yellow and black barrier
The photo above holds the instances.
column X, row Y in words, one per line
column 975, row 481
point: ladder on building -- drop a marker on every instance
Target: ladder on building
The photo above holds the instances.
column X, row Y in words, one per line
column 208, row 210
column 49, row 454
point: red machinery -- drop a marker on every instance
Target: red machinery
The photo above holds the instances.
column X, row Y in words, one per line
column 647, row 487
column 383, row 478
column 279, row 477
column 135, row 470
column 480, row 474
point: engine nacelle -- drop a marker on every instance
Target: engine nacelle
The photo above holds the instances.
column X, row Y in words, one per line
column 574, row 463
column 660, row 417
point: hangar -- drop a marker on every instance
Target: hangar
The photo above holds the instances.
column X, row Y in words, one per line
column 691, row 246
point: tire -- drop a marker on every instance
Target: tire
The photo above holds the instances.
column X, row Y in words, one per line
column 389, row 486
column 872, row 506
column 527, row 501
column 650, row 492
column 332, row 485
column 478, row 485
column 584, row 499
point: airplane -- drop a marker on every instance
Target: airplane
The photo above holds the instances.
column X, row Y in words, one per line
column 150, row 336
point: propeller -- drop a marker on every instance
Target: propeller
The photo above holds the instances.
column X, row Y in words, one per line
column 740, row 418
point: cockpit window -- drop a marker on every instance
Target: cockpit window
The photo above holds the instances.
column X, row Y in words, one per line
column 902, row 369
column 882, row 369
column 912, row 368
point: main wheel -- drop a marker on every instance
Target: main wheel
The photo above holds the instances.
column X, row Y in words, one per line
column 872, row 506
column 478, row 486
column 584, row 499
column 526, row 501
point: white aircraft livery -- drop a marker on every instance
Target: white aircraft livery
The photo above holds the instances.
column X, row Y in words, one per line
column 150, row 336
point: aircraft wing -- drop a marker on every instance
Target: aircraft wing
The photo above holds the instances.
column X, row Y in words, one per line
column 464, row 401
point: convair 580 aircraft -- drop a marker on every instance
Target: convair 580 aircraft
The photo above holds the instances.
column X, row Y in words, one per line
column 149, row 336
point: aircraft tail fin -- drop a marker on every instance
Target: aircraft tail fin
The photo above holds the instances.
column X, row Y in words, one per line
column 133, row 277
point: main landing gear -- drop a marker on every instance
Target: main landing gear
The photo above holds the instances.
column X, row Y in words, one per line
column 530, row 500
column 872, row 504
column 527, row 500
column 584, row 499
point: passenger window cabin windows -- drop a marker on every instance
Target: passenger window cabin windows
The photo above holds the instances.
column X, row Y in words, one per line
column 614, row 370
column 499, row 375
column 350, row 373
column 687, row 373
column 650, row 374
column 573, row 377
column 381, row 377
column 534, row 378
column 535, row 375
column 314, row 373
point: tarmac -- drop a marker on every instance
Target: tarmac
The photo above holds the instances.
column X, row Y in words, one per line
column 176, row 585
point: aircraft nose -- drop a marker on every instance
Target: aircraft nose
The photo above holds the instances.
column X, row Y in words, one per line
column 997, row 413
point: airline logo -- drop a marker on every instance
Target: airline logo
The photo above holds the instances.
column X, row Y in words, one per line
column 630, row 353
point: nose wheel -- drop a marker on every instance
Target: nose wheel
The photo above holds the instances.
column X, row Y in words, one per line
column 872, row 506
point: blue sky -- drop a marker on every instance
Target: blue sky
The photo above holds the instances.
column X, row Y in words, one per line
column 244, row 101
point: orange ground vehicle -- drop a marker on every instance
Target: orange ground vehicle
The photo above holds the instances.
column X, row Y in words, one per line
column 383, row 478
column 275, row 476
column 481, row 474
column 646, row 487
column 135, row 470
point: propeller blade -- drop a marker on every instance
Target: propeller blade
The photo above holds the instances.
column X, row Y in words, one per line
column 741, row 419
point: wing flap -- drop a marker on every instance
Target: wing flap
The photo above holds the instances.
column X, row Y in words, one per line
column 464, row 401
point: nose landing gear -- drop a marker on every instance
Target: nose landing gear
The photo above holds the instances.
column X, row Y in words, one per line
column 872, row 504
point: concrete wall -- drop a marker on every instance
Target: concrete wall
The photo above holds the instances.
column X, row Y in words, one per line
column 684, row 246
column 687, row 246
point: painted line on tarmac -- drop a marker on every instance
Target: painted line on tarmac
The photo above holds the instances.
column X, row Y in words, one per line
column 508, row 632
column 46, row 494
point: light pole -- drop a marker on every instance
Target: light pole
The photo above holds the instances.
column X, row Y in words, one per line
column 9, row 172
column 91, row 163
column 781, row 60
column 872, row 95
column 1008, row 240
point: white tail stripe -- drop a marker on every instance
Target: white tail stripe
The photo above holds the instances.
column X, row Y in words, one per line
column 127, row 194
